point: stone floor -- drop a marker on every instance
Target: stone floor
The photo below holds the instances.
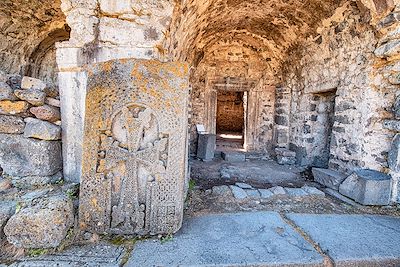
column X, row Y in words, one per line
column 251, row 239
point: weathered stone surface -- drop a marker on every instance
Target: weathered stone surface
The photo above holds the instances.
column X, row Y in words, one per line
column 7, row 209
column 265, row 193
column 244, row 185
column 134, row 147
column 91, row 255
column 20, row 156
column 4, row 184
column 42, row 130
column 53, row 102
column 296, row 192
column 233, row 156
column 33, row 83
column 285, row 160
column 396, row 108
column 47, row 113
column 11, row 125
column 222, row 190
column 238, row 192
column 394, row 154
column 32, row 96
column 6, row 92
column 12, row 108
column 354, row 240
column 206, row 146
column 278, row 190
column 388, row 49
column 328, row 178
column 28, row 182
column 393, row 125
column 42, row 225
column 243, row 239
column 252, row 193
column 285, row 152
column 367, row 187
column 313, row 191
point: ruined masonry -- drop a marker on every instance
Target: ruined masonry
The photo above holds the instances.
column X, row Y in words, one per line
column 101, row 102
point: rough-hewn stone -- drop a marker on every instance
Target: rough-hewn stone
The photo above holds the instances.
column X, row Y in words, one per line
column 33, row 96
column 7, row 209
column 12, row 108
column 238, row 192
column 328, row 178
column 393, row 125
column 233, row 156
column 42, row 225
column 33, row 83
column 52, row 102
column 42, row 130
column 367, row 187
column 206, row 146
column 5, row 184
column 29, row 182
column 46, row 112
column 20, row 156
column 11, row 125
column 134, row 147
column 6, row 92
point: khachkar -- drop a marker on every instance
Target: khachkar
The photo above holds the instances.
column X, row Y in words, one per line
column 135, row 147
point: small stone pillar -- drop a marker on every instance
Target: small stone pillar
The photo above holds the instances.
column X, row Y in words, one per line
column 206, row 146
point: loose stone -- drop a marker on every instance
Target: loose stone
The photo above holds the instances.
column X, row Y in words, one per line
column 47, row 113
column 42, row 130
column 11, row 125
column 6, row 92
column 12, row 108
column 33, row 83
column 32, row 96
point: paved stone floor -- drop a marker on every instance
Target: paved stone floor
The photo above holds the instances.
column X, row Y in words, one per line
column 252, row 239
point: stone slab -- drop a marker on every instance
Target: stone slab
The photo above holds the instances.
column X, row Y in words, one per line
column 135, row 147
column 354, row 240
column 238, row 192
column 243, row 239
column 328, row 178
column 102, row 254
column 233, row 156
column 282, row 160
column 21, row 156
column 367, row 187
column 394, row 154
column 206, row 146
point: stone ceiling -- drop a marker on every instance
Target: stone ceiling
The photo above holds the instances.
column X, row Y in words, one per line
column 23, row 25
column 268, row 27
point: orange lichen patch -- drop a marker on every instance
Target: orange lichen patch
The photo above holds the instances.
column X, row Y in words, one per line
column 107, row 66
column 93, row 202
column 9, row 107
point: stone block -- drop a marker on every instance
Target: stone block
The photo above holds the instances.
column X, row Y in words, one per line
column 222, row 190
column 252, row 193
column 6, row 92
column 14, row 80
column 296, row 192
column 53, row 102
column 388, row 49
column 11, row 125
column 206, row 146
column 7, row 209
column 265, row 193
column 33, row 83
column 46, row 113
column 12, row 108
column 20, row 156
column 238, row 192
column 42, row 225
column 29, row 182
column 244, row 186
column 285, row 160
column 135, row 136
column 278, row 190
column 32, row 96
column 285, row 152
column 313, row 191
column 394, row 154
column 42, row 130
column 396, row 108
column 328, row 178
column 367, row 187
column 393, row 125
column 233, row 156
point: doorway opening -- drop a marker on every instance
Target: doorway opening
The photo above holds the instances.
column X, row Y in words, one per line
column 325, row 112
column 231, row 119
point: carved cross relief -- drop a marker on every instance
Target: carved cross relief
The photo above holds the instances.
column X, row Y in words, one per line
column 133, row 155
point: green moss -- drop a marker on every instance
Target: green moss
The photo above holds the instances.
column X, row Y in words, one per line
column 36, row 252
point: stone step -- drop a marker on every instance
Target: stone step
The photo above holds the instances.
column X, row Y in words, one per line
column 328, row 178
column 367, row 187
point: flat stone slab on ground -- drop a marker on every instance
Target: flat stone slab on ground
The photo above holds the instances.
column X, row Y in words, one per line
column 354, row 240
column 104, row 255
column 233, row 156
column 242, row 239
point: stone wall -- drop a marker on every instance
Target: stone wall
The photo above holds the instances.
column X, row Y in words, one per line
column 30, row 132
column 341, row 59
